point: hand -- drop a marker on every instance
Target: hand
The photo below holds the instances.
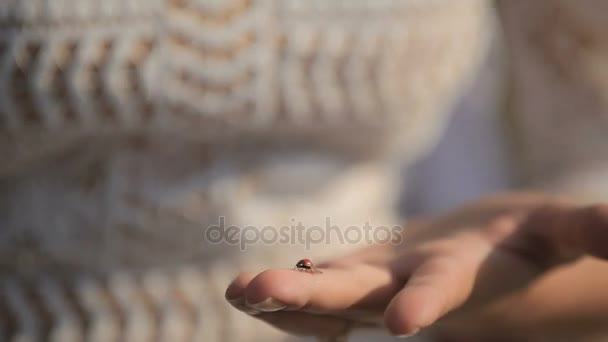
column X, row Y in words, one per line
column 468, row 272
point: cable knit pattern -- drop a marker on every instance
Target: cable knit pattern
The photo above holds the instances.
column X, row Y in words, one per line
column 207, row 69
column 128, row 126
column 163, row 306
column 559, row 54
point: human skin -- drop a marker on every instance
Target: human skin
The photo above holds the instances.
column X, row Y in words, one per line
column 518, row 266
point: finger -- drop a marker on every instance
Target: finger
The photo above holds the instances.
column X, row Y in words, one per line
column 237, row 288
column 297, row 323
column 438, row 285
column 586, row 229
column 595, row 235
column 426, row 297
column 235, row 293
column 378, row 254
column 382, row 254
column 564, row 233
column 360, row 288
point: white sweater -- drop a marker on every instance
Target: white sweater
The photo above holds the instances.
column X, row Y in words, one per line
column 129, row 126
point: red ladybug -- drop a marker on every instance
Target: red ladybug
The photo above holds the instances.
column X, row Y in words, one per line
column 306, row 265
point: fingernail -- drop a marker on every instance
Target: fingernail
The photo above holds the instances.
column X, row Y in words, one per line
column 409, row 335
column 236, row 302
column 239, row 304
column 268, row 305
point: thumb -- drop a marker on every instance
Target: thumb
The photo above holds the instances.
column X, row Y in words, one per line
column 571, row 232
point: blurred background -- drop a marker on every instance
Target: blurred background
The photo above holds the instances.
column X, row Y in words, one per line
column 127, row 127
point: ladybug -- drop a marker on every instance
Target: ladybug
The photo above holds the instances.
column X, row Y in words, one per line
column 305, row 265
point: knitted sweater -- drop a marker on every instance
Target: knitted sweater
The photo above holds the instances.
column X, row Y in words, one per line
column 129, row 126
column 559, row 96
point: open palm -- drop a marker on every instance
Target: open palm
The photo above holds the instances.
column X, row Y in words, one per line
column 451, row 273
